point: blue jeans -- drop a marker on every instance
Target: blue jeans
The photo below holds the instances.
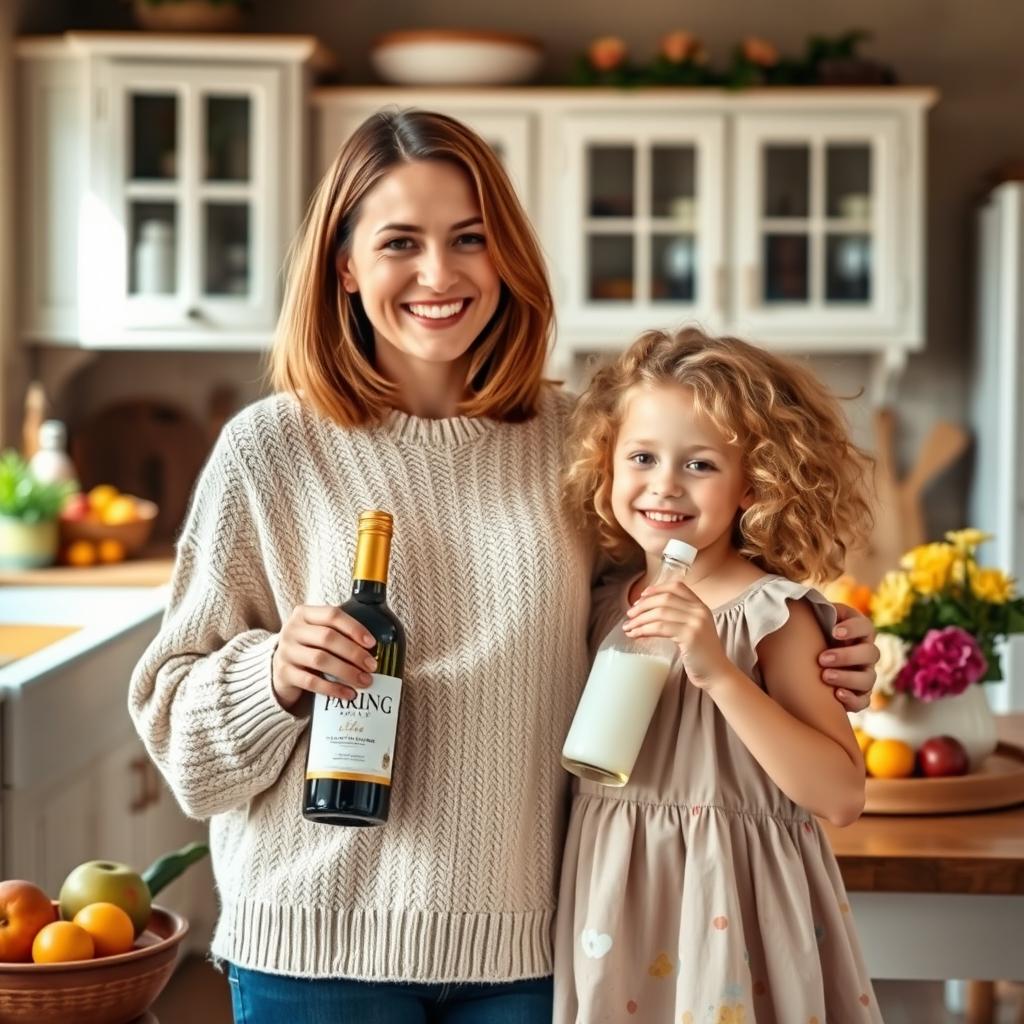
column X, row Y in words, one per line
column 259, row 998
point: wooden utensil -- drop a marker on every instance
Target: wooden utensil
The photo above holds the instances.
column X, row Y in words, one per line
column 899, row 515
column 944, row 444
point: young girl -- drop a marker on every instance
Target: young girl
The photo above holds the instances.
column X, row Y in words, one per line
column 703, row 892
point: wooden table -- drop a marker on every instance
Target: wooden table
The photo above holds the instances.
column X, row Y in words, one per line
column 939, row 897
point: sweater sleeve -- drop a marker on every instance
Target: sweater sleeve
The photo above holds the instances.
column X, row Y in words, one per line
column 201, row 696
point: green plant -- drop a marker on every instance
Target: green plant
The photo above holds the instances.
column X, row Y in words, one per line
column 754, row 62
column 24, row 497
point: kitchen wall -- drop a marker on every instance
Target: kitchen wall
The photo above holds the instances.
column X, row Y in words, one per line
column 970, row 51
column 12, row 356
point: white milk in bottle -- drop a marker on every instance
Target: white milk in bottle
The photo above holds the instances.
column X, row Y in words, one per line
column 622, row 691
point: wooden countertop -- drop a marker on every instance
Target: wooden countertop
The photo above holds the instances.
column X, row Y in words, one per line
column 151, row 570
column 957, row 853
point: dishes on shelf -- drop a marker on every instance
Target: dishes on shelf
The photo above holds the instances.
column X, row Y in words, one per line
column 456, row 57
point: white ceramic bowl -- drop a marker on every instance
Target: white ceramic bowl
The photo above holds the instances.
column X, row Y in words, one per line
column 449, row 57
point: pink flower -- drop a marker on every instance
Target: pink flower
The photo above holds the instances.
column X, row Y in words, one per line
column 943, row 664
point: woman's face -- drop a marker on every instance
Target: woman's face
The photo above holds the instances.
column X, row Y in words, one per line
column 419, row 261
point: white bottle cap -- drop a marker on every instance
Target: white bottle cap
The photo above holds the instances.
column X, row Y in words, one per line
column 52, row 435
column 680, row 551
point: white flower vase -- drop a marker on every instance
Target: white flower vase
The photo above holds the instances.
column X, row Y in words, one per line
column 966, row 717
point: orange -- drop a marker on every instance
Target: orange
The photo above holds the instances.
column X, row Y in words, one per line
column 24, row 909
column 62, row 942
column 101, row 496
column 889, row 759
column 111, row 928
column 110, row 550
column 863, row 740
column 80, row 552
column 119, row 510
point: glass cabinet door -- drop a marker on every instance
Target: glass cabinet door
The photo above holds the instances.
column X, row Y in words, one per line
column 197, row 196
column 814, row 234
column 153, row 190
column 642, row 228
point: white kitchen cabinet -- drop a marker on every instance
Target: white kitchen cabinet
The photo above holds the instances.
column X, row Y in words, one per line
column 825, row 229
column 77, row 784
column 641, row 233
column 163, row 180
column 509, row 129
column 114, row 807
column 793, row 217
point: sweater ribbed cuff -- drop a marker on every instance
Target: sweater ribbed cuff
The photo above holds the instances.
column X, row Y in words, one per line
column 249, row 692
column 385, row 945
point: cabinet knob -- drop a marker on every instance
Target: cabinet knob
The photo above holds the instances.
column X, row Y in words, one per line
column 194, row 313
column 139, row 767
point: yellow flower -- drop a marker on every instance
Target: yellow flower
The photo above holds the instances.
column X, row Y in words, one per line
column 992, row 585
column 893, row 599
column 929, row 567
column 965, row 541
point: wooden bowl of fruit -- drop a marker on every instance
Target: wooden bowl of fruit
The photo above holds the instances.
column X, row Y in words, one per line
column 101, row 954
column 104, row 525
column 112, row 989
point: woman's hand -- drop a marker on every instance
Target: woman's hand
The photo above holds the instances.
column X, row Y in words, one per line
column 848, row 661
column 673, row 611
column 318, row 641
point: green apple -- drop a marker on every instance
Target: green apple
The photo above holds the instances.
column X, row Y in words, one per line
column 106, row 881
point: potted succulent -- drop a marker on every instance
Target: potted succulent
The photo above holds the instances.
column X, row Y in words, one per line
column 188, row 15
column 28, row 515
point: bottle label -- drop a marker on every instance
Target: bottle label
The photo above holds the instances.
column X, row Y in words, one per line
column 355, row 739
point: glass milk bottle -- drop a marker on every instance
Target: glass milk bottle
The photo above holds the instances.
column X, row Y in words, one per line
column 622, row 692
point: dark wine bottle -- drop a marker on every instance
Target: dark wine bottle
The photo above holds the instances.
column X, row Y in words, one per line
column 351, row 755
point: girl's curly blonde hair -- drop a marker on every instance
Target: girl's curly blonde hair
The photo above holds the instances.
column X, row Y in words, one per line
column 808, row 479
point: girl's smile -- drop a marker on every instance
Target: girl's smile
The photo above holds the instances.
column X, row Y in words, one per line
column 675, row 474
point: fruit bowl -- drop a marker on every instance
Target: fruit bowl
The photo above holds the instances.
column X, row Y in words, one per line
column 107, row 990
column 132, row 535
column 455, row 57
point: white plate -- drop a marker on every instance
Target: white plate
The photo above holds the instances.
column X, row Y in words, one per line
column 435, row 59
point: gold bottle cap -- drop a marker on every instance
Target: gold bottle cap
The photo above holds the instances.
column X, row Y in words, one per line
column 373, row 546
column 376, row 521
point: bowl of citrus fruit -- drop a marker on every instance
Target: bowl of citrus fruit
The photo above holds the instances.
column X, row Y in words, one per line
column 100, row 954
column 104, row 525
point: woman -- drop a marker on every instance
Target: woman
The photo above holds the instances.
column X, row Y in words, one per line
column 408, row 366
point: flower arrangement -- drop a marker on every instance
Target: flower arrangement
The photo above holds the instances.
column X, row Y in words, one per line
column 939, row 618
column 682, row 59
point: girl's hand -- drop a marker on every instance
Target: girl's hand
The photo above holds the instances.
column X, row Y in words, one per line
column 674, row 612
column 848, row 661
column 319, row 640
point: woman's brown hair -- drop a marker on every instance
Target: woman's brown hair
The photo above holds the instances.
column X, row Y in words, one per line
column 808, row 479
column 323, row 351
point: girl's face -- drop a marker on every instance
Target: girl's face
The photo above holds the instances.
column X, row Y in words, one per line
column 419, row 261
column 674, row 474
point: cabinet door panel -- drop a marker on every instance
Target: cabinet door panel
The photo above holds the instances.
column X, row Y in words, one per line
column 640, row 208
column 187, row 200
column 816, row 235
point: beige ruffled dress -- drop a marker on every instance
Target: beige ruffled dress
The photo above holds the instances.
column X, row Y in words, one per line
column 699, row 893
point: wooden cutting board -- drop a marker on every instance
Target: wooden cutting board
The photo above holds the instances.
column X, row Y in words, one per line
column 19, row 641
column 147, row 447
column 899, row 501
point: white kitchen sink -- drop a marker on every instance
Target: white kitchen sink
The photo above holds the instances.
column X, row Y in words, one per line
column 84, row 674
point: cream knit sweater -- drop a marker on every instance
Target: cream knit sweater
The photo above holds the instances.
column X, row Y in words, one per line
column 491, row 581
